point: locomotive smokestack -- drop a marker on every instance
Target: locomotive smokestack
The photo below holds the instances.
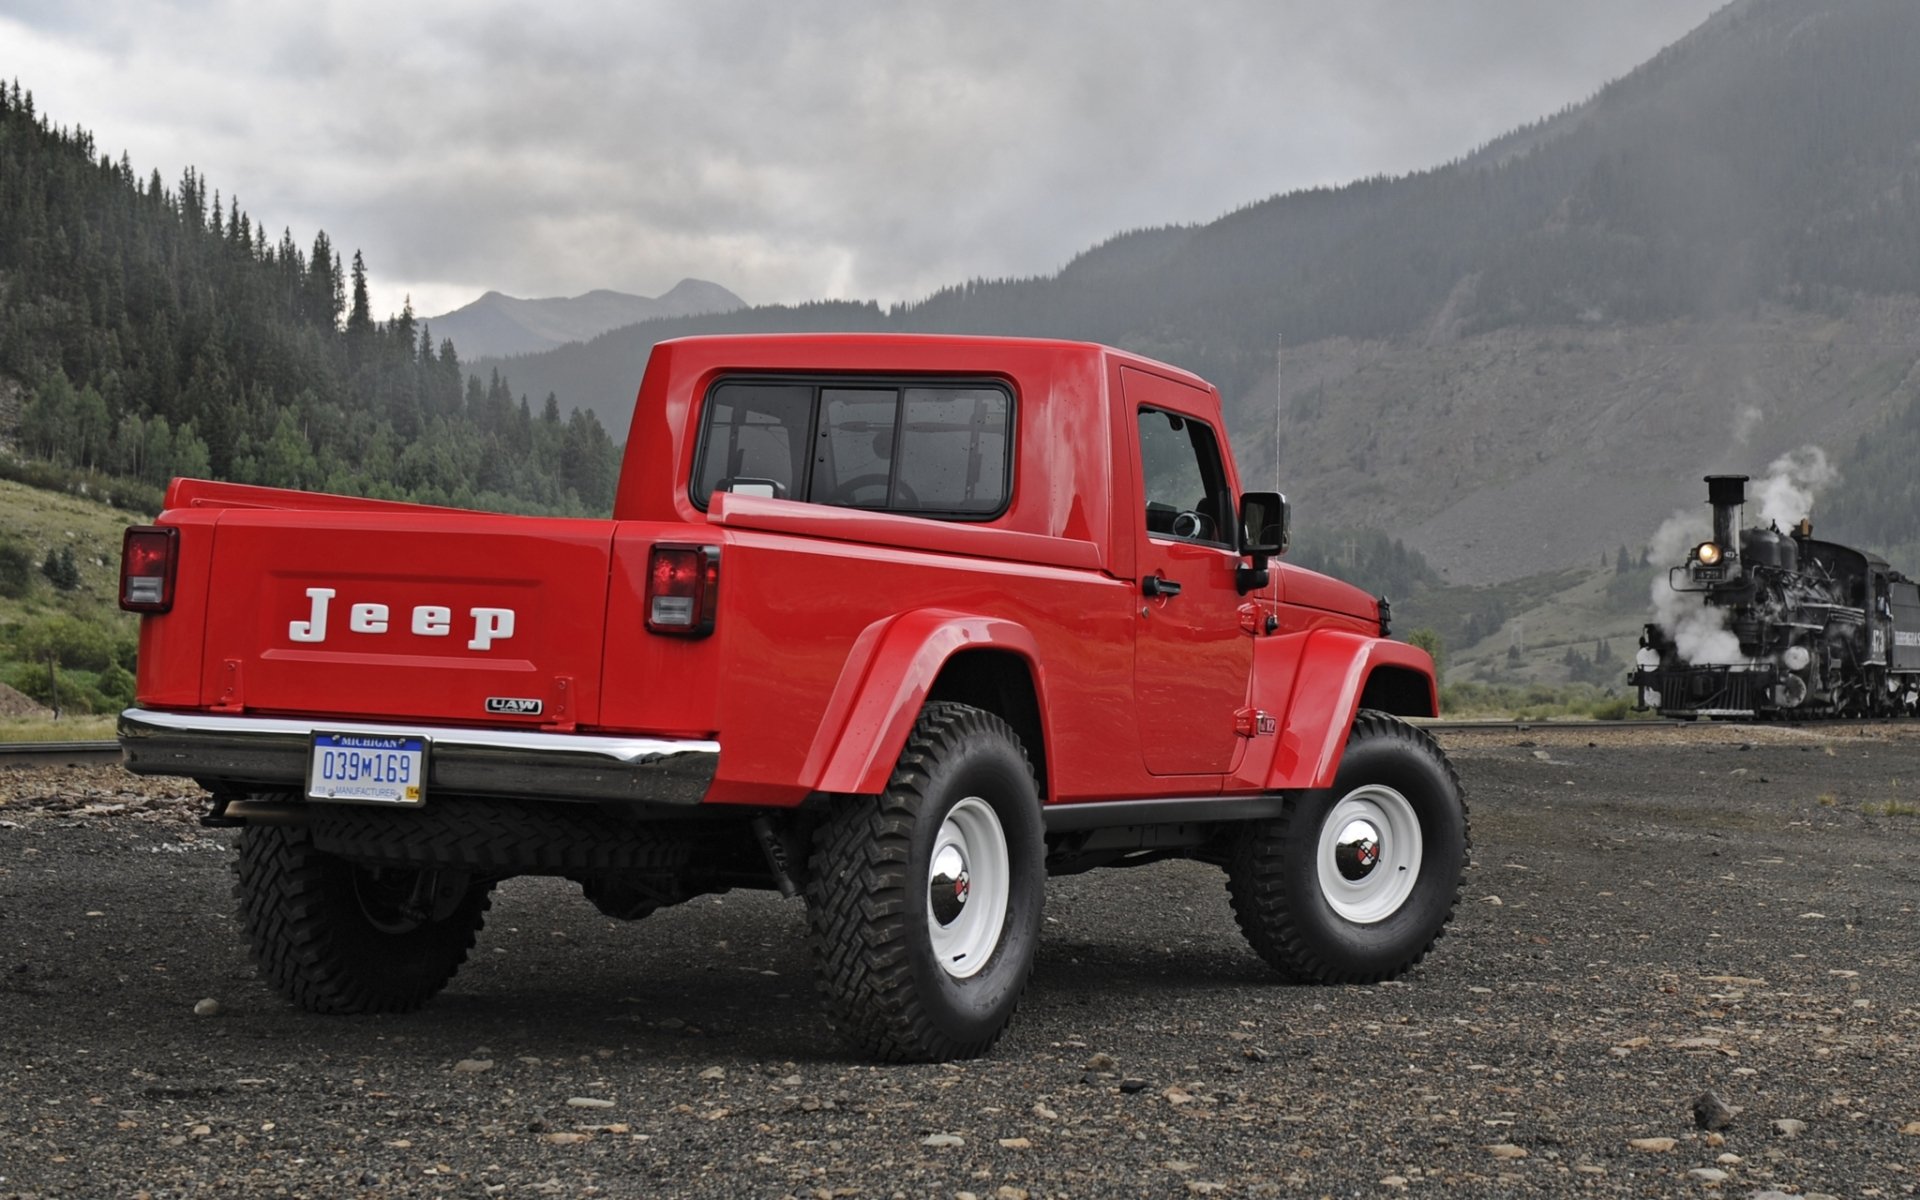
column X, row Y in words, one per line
column 1727, row 493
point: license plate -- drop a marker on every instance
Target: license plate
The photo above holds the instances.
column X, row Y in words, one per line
column 368, row 768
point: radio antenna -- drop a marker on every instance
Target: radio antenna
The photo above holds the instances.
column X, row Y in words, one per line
column 1279, row 405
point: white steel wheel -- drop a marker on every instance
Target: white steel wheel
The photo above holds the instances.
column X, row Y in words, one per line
column 968, row 880
column 1369, row 854
column 923, row 901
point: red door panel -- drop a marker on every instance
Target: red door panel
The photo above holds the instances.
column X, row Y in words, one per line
column 1192, row 658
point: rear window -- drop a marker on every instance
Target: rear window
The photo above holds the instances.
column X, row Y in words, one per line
column 934, row 449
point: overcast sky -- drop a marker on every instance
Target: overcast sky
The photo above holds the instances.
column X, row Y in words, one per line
column 791, row 149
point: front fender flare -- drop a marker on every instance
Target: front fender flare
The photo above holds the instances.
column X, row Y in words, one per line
column 1334, row 669
column 890, row 670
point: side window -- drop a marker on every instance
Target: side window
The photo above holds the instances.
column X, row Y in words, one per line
column 927, row 449
column 853, row 453
column 953, row 451
column 755, row 440
column 1183, row 479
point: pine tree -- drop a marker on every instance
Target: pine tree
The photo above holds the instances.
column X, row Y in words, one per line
column 61, row 569
column 325, row 298
column 360, row 317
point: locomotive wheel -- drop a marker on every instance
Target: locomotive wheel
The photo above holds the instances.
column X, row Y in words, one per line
column 924, row 901
column 1355, row 883
column 334, row 936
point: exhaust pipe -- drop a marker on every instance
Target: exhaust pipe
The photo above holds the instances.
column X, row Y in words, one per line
column 1727, row 494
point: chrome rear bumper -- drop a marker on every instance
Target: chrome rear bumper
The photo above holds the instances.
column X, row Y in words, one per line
column 270, row 754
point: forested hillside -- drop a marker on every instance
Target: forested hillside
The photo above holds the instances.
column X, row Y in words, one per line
column 1878, row 499
column 1512, row 362
column 147, row 332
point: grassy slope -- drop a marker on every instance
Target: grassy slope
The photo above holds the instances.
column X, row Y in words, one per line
column 43, row 521
column 47, row 520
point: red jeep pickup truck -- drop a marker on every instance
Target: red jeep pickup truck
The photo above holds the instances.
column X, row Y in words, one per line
column 899, row 624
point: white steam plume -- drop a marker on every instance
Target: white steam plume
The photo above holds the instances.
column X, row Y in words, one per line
column 1699, row 631
column 1792, row 481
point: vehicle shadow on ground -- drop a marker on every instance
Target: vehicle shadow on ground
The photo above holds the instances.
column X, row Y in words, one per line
column 732, row 977
column 735, row 971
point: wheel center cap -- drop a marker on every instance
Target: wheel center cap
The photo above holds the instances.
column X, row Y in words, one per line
column 1358, row 851
column 948, row 885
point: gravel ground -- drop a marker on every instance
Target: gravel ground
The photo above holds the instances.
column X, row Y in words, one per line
column 1648, row 918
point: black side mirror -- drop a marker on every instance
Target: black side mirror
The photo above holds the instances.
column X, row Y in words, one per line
column 1263, row 524
column 1263, row 535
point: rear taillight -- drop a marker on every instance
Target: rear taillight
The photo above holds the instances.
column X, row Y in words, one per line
column 147, row 557
column 683, row 589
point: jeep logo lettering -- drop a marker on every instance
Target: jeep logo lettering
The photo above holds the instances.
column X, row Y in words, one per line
column 513, row 706
column 490, row 625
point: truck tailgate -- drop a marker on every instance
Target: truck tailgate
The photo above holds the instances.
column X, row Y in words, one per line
column 442, row 617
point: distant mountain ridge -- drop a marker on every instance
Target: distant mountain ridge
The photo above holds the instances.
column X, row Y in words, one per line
column 1725, row 229
column 497, row 325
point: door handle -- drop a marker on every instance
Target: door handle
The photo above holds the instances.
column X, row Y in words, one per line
column 1155, row 585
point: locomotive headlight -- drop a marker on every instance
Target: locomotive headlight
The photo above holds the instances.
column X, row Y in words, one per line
column 1708, row 553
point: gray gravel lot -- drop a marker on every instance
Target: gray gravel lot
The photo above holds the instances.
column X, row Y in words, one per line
column 1647, row 918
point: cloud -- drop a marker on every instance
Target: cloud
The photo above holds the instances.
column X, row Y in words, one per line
column 798, row 150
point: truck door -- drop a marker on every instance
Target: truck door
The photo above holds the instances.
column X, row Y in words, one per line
column 1191, row 657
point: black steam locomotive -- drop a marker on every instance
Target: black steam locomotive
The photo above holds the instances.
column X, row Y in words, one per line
column 1823, row 630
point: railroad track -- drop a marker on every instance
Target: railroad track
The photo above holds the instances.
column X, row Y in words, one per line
column 1509, row 725
column 58, row 754
column 1500, row 725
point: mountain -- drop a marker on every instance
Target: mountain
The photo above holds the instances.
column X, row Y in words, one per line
column 1530, row 355
column 497, row 325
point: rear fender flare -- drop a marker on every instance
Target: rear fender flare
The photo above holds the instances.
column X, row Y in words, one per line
column 881, row 691
column 1334, row 672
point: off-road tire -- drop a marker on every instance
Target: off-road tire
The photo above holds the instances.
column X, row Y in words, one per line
column 1274, row 870
column 872, row 922
column 314, row 941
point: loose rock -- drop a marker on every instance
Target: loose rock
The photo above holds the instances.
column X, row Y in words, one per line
column 1711, row 1112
